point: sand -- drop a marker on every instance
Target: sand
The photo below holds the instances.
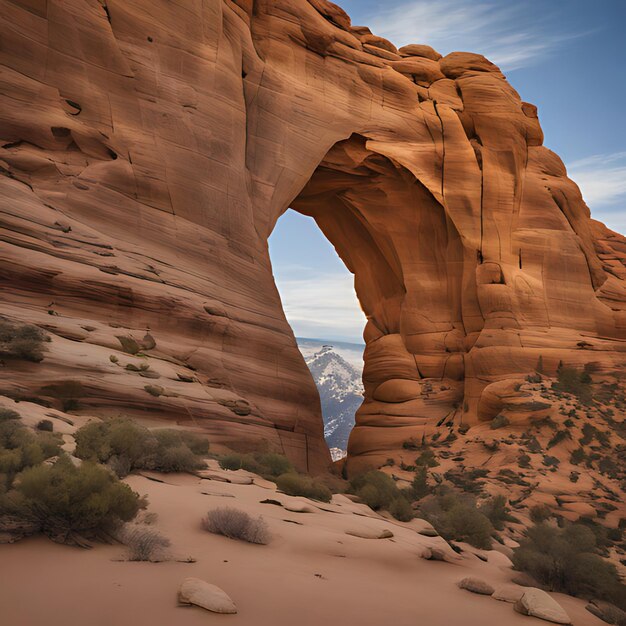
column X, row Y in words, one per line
column 311, row 573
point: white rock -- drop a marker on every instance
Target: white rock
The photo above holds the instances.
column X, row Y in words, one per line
column 539, row 604
column 508, row 593
column 202, row 594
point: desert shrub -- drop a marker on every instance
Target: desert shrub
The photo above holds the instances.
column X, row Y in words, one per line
column 565, row 560
column 45, row 425
column 21, row 341
column 419, row 486
column 571, row 380
column 577, row 456
column 499, row 422
column 299, row 485
column 68, row 392
column 411, row 444
column 540, row 513
column 21, row 448
column 467, row 481
column 236, row 525
column 457, row 518
column 236, row 461
column 8, row 414
column 550, row 461
column 401, row 510
column 274, row 464
column 67, row 500
column 177, row 451
column 497, row 511
column 523, row 460
column 144, row 544
column 558, row 437
column 268, row 464
column 427, row 458
column 128, row 446
column 376, row 489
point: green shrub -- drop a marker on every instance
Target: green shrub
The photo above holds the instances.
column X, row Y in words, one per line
column 376, row 489
column 236, row 461
column 21, row 341
column 65, row 499
column 565, row 560
column 558, row 437
column 457, row 518
column 45, row 425
column 419, row 486
column 20, row 448
column 401, row 510
column 577, row 456
column 540, row 513
column 268, row 464
column 299, row 485
column 8, row 414
column 497, row 511
column 68, row 392
column 128, row 446
column 571, row 380
column 427, row 458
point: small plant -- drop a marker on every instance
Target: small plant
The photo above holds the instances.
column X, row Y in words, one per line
column 127, row 446
column 299, row 485
column 376, row 489
column 457, row 518
column 419, row 486
column 401, row 510
column 236, row 524
column 558, row 437
column 144, row 544
column 69, row 392
column 427, row 458
column 497, row 511
column 8, row 414
column 499, row 422
column 566, row 560
column 68, row 501
column 21, row 341
column 45, row 425
column 540, row 513
column 154, row 390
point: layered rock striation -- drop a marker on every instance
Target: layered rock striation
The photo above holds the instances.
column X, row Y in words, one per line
column 148, row 149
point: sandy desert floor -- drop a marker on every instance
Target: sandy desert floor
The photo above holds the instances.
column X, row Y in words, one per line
column 311, row 573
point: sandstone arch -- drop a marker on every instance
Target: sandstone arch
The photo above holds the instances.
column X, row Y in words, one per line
column 149, row 151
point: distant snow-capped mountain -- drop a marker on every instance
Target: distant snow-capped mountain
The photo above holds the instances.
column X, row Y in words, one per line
column 336, row 370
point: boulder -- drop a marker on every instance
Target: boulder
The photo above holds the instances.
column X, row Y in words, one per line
column 508, row 593
column 476, row 585
column 370, row 533
column 538, row 603
column 210, row 597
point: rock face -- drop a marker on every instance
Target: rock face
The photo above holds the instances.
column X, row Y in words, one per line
column 148, row 152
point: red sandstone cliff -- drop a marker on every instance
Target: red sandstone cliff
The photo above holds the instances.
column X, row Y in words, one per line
column 148, row 150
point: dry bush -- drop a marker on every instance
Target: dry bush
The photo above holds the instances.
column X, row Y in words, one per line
column 21, row 341
column 144, row 544
column 236, row 524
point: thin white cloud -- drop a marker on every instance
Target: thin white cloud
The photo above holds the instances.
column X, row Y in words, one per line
column 602, row 180
column 321, row 305
column 505, row 32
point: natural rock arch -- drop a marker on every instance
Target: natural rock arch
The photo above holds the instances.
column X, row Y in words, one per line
column 149, row 152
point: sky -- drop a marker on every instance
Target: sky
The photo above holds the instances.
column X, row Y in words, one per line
column 566, row 56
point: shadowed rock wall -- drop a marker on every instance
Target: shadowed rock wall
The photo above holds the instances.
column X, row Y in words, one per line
column 149, row 148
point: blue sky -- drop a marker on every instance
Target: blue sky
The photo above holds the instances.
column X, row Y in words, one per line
column 566, row 56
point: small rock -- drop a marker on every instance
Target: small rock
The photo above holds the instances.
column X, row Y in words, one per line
column 207, row 596
column 299, row 507
column 434, row 554
column 538, row 603
column 367, row 533
column 607, row 612
column 428, row 532
column 475, row 585
column 508, row 593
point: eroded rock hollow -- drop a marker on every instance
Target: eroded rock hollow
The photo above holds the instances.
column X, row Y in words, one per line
column 150, row 146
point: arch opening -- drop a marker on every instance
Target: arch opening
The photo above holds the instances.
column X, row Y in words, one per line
column 382, row 222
